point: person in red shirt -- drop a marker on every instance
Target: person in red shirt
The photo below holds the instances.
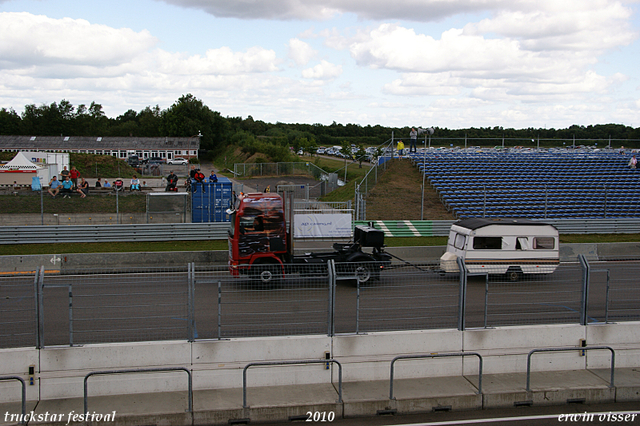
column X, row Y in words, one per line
column 74, row 174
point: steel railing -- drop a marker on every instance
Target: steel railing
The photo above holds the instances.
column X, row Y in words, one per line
column 578, row 348
column 109, row 233
column 447, row 355
column 24, row 395
column 218, row 230
column 300, row 362
column 140, row 370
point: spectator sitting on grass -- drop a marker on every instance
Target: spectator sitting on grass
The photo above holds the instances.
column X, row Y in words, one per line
column 83, row 188
column 54, row 186
column 135, row 183
column 67, row 186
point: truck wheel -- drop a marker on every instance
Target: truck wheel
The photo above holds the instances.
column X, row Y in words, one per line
column 267, row 273
column 363, row 274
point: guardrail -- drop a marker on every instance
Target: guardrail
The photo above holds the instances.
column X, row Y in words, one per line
column 301, row 362
column 456, row 354
column 24, row 395
column 580, row 348
column 218, row 230
column 140, row 370
column 111, row 233
column 440, row 228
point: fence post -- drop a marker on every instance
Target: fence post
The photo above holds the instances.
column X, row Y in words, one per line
column 357, row 306
column 191, row 292
column 38, row 285
column 586, row 272
column 486, row 299
column 606, row 305
column 463, row 293
column 332, row 297
column 219, row 310
column 70, row 314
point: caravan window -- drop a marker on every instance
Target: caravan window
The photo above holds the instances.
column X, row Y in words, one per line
column 522, row 243
column 544, row 243
column 487, row 243
column 459, row 242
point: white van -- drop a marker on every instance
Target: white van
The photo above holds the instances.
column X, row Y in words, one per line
column 502, row 246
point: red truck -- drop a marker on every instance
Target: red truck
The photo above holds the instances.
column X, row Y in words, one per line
column 261, row 246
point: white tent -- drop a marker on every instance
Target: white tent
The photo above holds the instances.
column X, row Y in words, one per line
column 19, row 170
column 20, row 162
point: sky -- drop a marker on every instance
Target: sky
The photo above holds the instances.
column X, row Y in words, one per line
column 429, row 63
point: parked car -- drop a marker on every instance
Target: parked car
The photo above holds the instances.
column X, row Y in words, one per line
column 133, row 161
column 178, row 161
column 156, row 160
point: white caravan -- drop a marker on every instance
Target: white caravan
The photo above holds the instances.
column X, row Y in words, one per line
column 502, row 246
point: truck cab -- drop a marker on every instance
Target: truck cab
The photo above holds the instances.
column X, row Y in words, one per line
column 257, row 231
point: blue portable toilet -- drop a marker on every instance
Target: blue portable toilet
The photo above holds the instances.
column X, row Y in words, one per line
column 210, row 201
column 35, row 184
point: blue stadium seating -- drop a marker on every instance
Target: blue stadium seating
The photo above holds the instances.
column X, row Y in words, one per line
column 560, row 184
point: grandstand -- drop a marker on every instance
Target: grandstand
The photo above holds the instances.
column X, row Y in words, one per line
column 533, row 184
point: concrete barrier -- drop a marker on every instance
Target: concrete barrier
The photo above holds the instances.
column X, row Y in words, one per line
column 218, row 364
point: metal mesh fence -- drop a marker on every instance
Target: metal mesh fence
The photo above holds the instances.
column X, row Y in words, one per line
column 400, row 296
column 614, row 293
column 278, row 169
column 116, row 306
column 188, row 303
column 554, row 298
column 266, row 302
column 17, row 311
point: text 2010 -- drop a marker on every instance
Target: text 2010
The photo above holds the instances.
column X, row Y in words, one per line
column 320, row 416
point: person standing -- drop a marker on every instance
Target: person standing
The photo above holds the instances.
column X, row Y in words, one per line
column 413, row 134
column 64, row 174
column 74, row 174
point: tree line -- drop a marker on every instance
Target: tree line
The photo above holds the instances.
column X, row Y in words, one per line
column 189, row 116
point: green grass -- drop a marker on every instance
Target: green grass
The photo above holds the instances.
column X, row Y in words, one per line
column 29, row 202
column 121, row 247
column 159, row 246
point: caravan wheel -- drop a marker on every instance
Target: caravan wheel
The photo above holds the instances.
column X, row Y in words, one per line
column 514, row 274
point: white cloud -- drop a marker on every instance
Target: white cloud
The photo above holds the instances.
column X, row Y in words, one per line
column 411, row 10
column 571, row 25
column 503, row 58
column 301, row 52
column 27, row 39
column 323, row 71
column 519, row 61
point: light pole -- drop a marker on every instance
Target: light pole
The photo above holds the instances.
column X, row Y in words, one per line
column 429, row 132
column 199, row 135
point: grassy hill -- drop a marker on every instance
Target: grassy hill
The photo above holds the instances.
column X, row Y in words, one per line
column 398, row 195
